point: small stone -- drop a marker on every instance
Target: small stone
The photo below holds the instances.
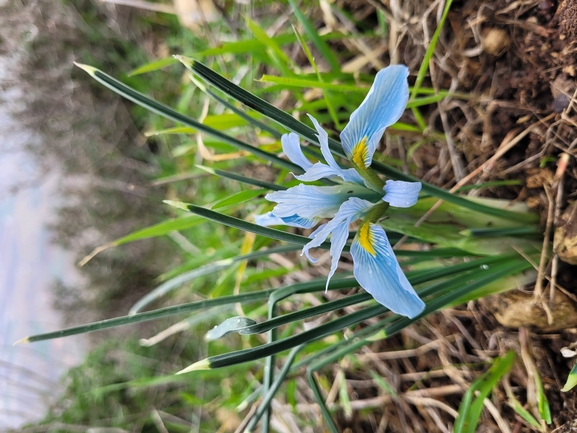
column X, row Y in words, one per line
column 496, row 42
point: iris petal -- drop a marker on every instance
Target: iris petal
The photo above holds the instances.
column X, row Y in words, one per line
column 338, row 228
column 378, row 272
column 399, row 193
column 269, row 219
column 309, row 201
column 383, row 106
column 316, row 172
column 292, row 148
column 320, row 170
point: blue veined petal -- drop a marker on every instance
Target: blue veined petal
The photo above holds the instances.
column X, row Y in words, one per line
column 292, row 149
column 338, row 228
column 399, row 193
column 269, row 219
column 309, row 201
column 383, row 106
column 378, row 272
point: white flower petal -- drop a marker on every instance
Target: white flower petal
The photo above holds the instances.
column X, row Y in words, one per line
column 292, row 149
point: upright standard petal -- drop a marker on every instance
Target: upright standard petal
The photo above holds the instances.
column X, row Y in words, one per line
column 291, row 146
column 351, row 210
column 399, row 193
column 378, row 272
column 383, row 106
column 331, row 169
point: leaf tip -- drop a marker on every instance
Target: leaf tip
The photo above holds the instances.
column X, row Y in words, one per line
column 570, row 384
column 187, row 61
column 22, row 341
column 200, row 365
column 90, row 69
column 205, row 168
column 177, row 204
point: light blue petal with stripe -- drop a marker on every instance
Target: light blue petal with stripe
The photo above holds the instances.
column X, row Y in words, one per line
column 269, row 219
column 378, row 272
column 338, row 228
column 383, row 106
column 291, row 147
column 308, row 201
column 399, row 193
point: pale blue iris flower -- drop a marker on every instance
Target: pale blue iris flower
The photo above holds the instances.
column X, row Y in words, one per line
column 358, row 193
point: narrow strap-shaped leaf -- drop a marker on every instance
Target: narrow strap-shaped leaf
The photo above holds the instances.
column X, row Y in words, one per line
column 265, row 350
column 243, row 179
column 315, row 285
column 230, row 221
column 242, row 114
column 259, row 328
column 248, row 99
column 178, row 281
column 497, row 232
column 207, row 269
column 292, row 124
column 165, row 111
column 151, row 315
column 155, row 230
column 470, row 410
column 315, row 38
column 449, row 291
column 271, row 391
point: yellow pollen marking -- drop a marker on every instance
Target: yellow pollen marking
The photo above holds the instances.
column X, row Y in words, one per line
column 366, row 239
column 360, row 153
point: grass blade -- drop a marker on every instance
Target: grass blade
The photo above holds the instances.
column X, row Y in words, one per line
column 471, row 407
column 265, row 350
column 227, row 220
column 243, row 179
column 156, row 230
column 149, row 315
column 260, row 328
column 318, row 42
column 571, row 380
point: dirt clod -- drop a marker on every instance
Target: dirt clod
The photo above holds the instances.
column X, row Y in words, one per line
column 565, row 245
column 516, row 309
column 496, row 42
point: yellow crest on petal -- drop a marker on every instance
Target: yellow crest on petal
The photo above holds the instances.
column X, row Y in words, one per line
column 366, row 239
column 360, row 153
